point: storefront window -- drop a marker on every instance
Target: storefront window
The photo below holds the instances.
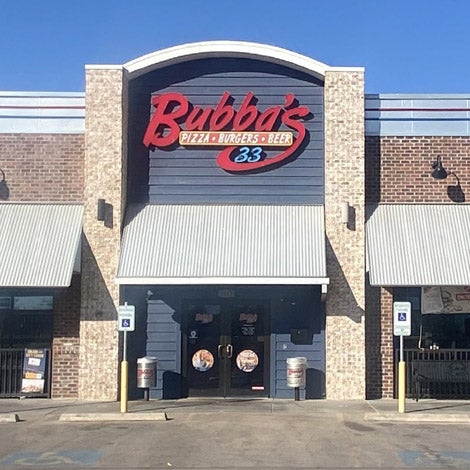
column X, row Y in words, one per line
column 434, row 330
column 26, row 321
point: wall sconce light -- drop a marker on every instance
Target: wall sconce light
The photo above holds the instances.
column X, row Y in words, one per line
column 4, row 191
column 455, row 193
column 345, row 213
column 101, row 210
column 439, row 172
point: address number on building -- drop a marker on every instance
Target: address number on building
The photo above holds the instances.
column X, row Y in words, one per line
column 126, row 318
column 402, row 318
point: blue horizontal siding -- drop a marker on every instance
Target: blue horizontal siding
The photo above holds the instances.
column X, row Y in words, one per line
column 188, row 175
column 163, row 342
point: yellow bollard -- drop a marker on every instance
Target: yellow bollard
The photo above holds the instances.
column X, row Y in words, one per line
column 401, row 386
column 124, row 385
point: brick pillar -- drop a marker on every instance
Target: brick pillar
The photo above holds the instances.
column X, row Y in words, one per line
column 65, row 344
column 105, row 178
column 386, row 342
column 345, row 183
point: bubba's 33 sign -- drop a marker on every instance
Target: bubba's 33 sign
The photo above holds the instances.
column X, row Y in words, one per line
column 244, row 133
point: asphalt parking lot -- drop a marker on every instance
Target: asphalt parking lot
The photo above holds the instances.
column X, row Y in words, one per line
column 232, row 434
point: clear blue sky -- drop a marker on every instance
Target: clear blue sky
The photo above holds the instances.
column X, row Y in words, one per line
column 406, row 46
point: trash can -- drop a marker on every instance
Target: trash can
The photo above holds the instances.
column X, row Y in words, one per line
column 146, row 372
column 296, row 369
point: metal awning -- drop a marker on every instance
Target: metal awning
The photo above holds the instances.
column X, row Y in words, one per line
column 223, row 244
column 38, row 244
column 419, row 245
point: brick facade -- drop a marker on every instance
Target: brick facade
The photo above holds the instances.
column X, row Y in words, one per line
column 105, row 177
column 398, row 170
column 358, row 170
column 49, row 168
column 43, row 167
column 65, row 344
column 344, row 183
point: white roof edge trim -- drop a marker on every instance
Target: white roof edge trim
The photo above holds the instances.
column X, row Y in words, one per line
column 222, row 280
column 103, row 67
column 42, row 94
column 185, row 52
column 346, row 69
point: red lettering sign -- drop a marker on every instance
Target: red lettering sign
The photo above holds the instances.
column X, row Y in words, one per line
column 250, row 127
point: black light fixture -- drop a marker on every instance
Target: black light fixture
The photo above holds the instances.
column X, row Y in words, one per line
column 4, row 191
column 455, row 193
column 101, row 210
column 439, row 172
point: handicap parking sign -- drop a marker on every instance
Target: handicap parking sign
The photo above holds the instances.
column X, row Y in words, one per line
column 126, row 318
column 402, row 318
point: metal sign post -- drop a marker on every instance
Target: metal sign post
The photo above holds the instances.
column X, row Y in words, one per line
column 126, row 322
column 401, row 327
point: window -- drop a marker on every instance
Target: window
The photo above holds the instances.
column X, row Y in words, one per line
column 447, row 330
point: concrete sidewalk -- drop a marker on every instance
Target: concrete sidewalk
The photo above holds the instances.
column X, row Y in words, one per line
column 430, row 411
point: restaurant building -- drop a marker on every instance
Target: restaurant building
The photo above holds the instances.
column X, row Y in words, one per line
column 253, row 204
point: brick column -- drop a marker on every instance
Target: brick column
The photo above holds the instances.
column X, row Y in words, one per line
column 65, row 344
column 105, row 178
column 345, row 183
column 386, row 342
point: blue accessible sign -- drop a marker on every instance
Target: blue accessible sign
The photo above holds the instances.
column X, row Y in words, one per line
column 402, row 318
column 126, row 318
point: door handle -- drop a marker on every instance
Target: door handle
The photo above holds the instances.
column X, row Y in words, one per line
column 224, row 351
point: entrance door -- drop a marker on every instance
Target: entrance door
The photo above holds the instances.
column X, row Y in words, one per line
column 226, row 348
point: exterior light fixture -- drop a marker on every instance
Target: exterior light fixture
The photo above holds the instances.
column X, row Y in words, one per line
column 455, row 193
column 4, row 191
column 101, row 210
column 345, row 213
column 439, row 172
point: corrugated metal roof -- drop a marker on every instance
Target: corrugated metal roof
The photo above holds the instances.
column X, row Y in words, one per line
column 38, row 244
column 170, row 244
column 419, row 245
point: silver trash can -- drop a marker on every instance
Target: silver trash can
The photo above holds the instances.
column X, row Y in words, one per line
column 146, row 372
column 296, row 371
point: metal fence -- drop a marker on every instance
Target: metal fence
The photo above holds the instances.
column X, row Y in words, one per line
column 11, row 373
column 442, row 390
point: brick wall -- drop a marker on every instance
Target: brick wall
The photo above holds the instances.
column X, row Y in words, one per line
column 105, row 176
column 386, row 342
column 398, row 170
column 344, row 182
column 379, row 343
column 49, row 168
column 65, row 344
column 43, row 167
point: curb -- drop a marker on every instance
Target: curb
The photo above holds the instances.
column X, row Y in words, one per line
column 9, row 418
column 76, row 417
column 418, row 417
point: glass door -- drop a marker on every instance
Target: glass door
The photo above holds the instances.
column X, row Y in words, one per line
column 249, row 350
column 226, row 348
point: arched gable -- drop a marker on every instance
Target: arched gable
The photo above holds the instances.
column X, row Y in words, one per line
column 237, row 49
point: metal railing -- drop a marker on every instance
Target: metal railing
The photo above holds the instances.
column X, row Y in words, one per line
column 435, row 389
column 11, row 373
